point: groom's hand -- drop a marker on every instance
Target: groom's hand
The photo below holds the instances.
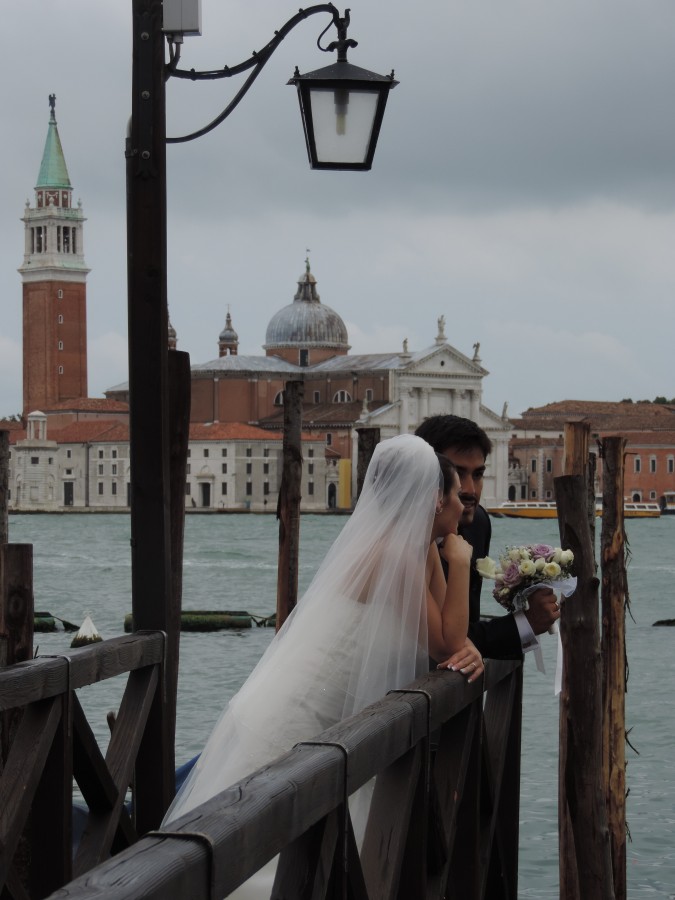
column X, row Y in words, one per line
column 543, row 610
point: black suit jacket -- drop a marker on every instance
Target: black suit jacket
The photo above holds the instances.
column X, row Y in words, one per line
column 497, row 638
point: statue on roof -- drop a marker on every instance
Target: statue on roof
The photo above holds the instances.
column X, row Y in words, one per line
column 52, row 103
column 441, row 328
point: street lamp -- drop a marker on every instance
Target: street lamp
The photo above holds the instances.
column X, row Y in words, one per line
column 339, row 135
column 341, row 105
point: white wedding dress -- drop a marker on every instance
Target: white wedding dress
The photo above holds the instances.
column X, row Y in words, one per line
column 358, row 632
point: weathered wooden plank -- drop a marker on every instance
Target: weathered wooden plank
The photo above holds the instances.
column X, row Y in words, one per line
column 614, row 659
column 126, row 737
column 305, row 866
column 581, row 775
column 288, row 504
column 22, row 774
column 51, row 831
column 503, row 718
column 47, row 676
column 92, row 775
column 4, row 486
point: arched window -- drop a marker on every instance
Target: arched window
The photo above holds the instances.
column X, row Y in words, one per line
column 279, row 399
column 342, row 397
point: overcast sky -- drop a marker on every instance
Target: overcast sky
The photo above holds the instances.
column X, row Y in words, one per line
column 523, row 186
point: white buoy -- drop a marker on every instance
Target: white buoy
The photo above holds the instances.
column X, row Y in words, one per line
column 87, row 634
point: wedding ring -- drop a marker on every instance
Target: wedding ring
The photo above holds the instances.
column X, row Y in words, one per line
column 474, row 665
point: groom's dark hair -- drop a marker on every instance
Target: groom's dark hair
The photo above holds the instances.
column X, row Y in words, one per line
column 454, row 431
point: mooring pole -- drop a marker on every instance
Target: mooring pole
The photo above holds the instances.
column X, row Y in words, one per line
column 4, row 487
column 614, row 658
column 148, row 391
column 288, row 506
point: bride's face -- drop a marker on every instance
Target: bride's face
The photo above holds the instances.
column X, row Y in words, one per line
column 452, row 508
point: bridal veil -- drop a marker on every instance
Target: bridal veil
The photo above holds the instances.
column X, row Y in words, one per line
column 359, row 631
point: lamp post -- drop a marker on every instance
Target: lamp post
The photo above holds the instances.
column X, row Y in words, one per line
column 339, row 135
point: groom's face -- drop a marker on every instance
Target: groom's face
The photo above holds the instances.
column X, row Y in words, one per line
column 470, row 465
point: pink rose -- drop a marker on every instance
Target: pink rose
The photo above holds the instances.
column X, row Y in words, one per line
column 543, row 550
column 511, row 575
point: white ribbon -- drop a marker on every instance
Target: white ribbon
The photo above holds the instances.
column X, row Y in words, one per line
column 566, row 586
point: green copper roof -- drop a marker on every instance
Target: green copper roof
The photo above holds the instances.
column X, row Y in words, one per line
column 53, row 171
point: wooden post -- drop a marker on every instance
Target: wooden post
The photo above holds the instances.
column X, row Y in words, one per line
column 4, row 487
column 614, row 660
column 148, row 387
column 288, row 507
column 179, row 438
column 584, row 846
column 17, row 609
column 369, row 438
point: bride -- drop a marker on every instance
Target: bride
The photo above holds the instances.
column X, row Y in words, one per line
column 377, row 608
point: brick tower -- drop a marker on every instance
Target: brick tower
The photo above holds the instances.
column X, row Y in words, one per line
column 54, row 277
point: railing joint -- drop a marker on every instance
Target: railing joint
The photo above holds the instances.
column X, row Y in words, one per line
column 199, row 837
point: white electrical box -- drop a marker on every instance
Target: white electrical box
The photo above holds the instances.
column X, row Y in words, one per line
column 182, row 17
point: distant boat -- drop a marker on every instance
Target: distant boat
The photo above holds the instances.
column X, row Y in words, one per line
column 667, row 504
column 532, row 509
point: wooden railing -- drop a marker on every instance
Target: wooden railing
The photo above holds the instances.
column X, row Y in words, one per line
column 52, row 743
column 443, row 819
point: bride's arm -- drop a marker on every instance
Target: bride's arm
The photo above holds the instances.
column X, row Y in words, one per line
column 448, row 604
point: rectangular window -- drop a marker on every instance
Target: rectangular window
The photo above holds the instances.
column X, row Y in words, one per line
column 223, row 468
column 652, row 464
column 249, row 468
column 248, row 451
column 100, row 470
column 548, row 495
column 223, row 488
column 223, row 452
column 114, row 487
column 100, row 488
column 671, row 465
column 533, row 494
column 266, row 452
column 69, row 453
column 652, row 495
column 187, row 469
column 310, row 452
column 114, row 454
column 533, row 465
column 51, row 460
column 317, row 396
column 310, row 468
column 69, row 471
column 310, row 488
column 114, row 469
column 206, row 452
column 189, row 453
column 100, row 454
column 549, row 464
column 369, row 394
column 266, row 488
column 329, row 439
column 34, row 460
column 266, row 468
column 637, row 465
column 249, row 488
column 188, row 489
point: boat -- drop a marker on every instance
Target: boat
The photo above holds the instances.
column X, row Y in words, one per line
column 532, row 509
column 524, row 509
column 667, row 504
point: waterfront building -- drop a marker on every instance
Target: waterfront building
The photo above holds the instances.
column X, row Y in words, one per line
column 85, row 465
column 536, row 448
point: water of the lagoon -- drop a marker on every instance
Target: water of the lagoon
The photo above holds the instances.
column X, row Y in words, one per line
column 82, row 566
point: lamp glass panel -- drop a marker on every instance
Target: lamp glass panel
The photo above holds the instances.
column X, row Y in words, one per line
column 343, row 123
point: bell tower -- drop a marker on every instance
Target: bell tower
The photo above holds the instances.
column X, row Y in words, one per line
column 54, row 277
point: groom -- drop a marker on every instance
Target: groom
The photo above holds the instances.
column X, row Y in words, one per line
column 468, row 446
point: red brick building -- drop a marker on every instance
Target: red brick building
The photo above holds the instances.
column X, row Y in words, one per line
column 536, row 447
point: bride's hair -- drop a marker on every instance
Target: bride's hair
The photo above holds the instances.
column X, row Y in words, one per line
column 448, row 472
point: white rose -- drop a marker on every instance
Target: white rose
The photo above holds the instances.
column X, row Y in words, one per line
column 566, row 557
column 514, row 554
column 527, row 568
column 525, row 553
column 539, row 563
column 557, row 553
column 486, row 568
column 551, row 570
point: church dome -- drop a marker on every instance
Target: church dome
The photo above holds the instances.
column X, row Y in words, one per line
column 306, row 322
column 228, row 334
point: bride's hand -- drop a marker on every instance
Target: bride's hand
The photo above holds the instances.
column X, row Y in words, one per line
column 455, row 549
column 468, row 661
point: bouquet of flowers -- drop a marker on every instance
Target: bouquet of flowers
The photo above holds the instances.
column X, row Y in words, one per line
column 522, row 570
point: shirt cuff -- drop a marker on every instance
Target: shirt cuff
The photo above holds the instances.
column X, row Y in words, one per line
column 528, row 638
